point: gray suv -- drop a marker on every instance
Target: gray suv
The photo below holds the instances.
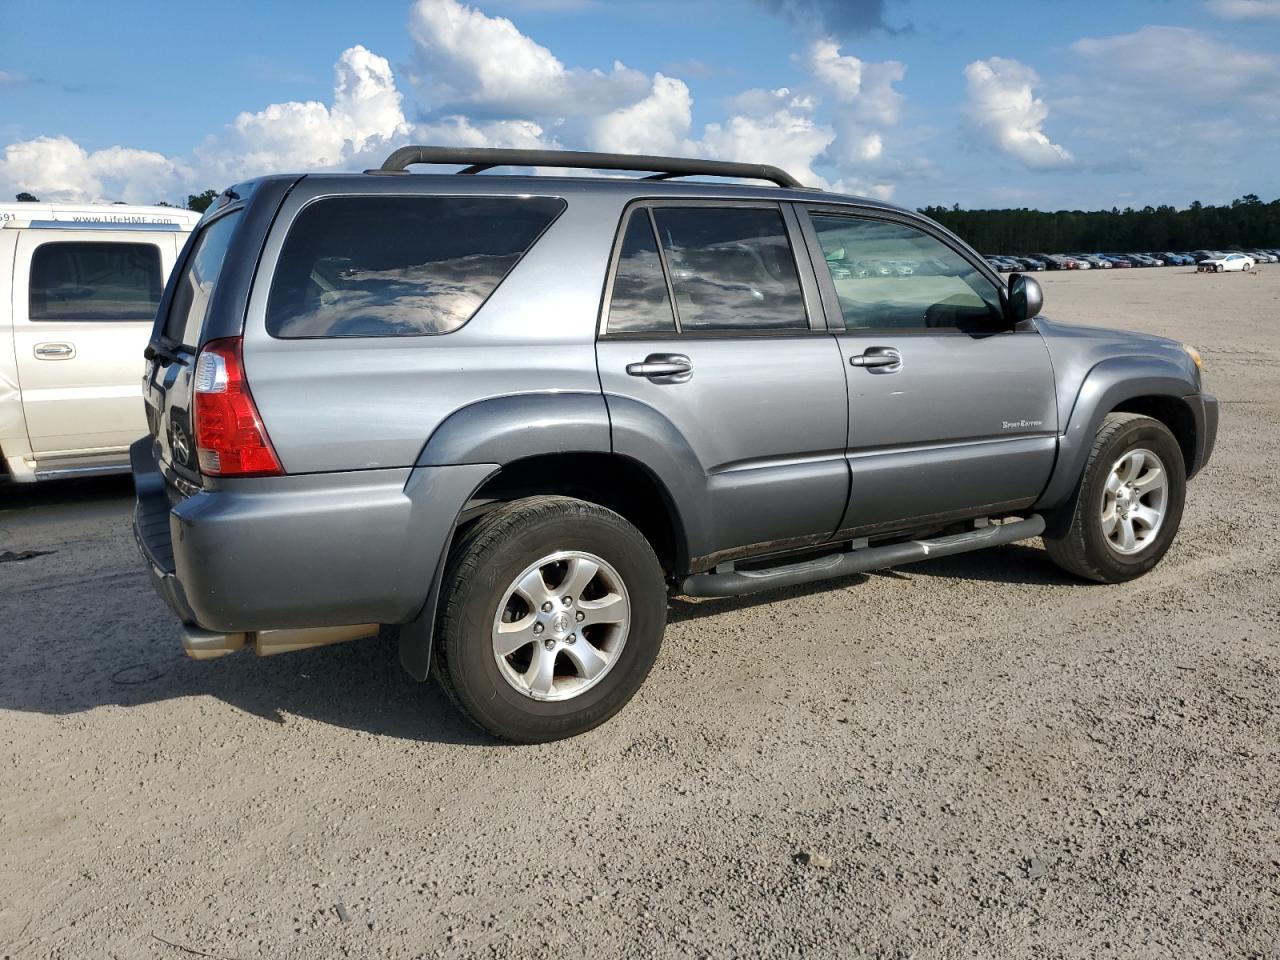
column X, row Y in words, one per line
column 508, row 415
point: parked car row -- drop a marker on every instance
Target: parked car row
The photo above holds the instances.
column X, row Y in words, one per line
column 1217, row 260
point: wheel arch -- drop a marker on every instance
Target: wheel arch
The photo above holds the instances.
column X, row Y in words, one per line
column 1152, row 385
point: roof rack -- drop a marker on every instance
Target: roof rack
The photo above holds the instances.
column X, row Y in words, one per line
column 477, row 160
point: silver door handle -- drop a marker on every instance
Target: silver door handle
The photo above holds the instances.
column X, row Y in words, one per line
column 663, row 368
column 55, row 351
column 878, row 357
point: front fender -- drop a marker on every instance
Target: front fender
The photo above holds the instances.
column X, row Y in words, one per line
column 1107, row 385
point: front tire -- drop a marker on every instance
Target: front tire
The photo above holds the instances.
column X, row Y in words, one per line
column 1127, row 508
column 553, row 611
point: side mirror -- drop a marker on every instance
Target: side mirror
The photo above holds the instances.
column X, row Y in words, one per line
column 1026, row 299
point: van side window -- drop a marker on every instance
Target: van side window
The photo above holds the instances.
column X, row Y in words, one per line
column 398, row 266
column 732, row 268
column 640, row 300
column 95, row 281
column 891, row 275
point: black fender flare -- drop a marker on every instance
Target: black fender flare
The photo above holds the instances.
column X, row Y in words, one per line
column 1106, row 386
column 505, row 429
column 502, row 430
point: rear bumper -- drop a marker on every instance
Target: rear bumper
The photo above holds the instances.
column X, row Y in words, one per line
column 298, row 552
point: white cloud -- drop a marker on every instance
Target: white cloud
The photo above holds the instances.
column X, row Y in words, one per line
column 1161, row 59
column 770, row 127
column 657, row 124
column 1245, row 9
column 465, row 57
column 1003, row 111
column 481, row 82
column 365, row 117
column 58, row 168
column 865, row 104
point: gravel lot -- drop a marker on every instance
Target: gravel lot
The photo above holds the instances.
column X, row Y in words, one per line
column 970, row 757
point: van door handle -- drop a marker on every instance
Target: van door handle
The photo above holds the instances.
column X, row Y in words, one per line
column 55, row 351
column 886, row 359
column 663, row 368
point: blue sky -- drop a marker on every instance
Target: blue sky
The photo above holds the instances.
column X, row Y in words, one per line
column 1040, row 103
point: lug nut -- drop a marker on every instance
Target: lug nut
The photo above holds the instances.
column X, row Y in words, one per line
column 572, row 638
column 546, row 607
column 549, row 643
column 568, row 601
column 537, row 628
column 580, row 616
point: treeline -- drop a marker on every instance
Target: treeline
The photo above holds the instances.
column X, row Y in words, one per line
column 1246, row 223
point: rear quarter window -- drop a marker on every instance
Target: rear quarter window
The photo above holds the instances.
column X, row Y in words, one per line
column 398, row 266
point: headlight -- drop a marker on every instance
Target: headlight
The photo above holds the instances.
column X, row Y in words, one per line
column 1194, row 354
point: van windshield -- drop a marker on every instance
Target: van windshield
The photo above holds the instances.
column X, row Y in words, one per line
column 194, row 292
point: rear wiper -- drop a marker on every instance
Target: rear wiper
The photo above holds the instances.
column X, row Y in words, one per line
column 160, row 353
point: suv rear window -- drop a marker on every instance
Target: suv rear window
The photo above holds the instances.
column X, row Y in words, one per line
column 95, row 281
column 398, row 266
column 194, row 291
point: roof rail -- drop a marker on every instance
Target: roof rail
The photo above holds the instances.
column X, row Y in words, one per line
column 477, row 160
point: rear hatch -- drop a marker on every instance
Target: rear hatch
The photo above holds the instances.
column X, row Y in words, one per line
column 175, row 341
column 205, row 299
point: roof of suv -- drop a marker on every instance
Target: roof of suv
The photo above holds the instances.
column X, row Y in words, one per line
column 604, row 176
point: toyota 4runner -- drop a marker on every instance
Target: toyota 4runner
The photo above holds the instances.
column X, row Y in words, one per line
column 509, row 414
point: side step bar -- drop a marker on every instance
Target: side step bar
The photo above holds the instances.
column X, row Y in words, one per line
column 206, row 645
column 735, row 583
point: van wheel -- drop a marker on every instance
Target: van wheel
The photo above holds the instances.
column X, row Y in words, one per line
column 1129, row 503
column 552, row 614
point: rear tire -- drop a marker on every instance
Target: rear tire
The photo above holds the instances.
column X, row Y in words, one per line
column 552, row 614
column 1127, row 508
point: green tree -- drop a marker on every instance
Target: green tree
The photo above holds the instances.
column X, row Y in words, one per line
column 25, row 197
column 200, row 202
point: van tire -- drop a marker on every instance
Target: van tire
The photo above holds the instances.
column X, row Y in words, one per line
column 499, row 550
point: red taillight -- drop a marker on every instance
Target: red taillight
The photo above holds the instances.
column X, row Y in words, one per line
column 230, row 438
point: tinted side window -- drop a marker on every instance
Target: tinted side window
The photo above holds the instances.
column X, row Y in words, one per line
column 731, row 268
column 95, row 281
column 194, row 290
column 398, row 266
column 890, row 275
column 640, row 300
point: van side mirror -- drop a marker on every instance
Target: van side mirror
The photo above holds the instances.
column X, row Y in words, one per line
column 1026, row 299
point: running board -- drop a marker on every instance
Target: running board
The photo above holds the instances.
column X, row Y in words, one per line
column 735, row 583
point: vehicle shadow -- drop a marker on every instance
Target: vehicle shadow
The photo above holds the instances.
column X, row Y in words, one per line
column 83, row 629
column 73, row 647
column 20, row 496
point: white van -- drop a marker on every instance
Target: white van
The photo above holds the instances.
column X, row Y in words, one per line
column 79, row 288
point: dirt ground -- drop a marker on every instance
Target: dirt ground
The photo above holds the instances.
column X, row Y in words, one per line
column 981, row 757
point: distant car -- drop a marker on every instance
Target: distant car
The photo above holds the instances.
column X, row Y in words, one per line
column 1201, row 255
column 1027, row 263
column 1262, row 256
column 1232, row 261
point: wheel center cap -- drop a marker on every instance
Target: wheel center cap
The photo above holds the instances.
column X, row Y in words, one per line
column 561, row 623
